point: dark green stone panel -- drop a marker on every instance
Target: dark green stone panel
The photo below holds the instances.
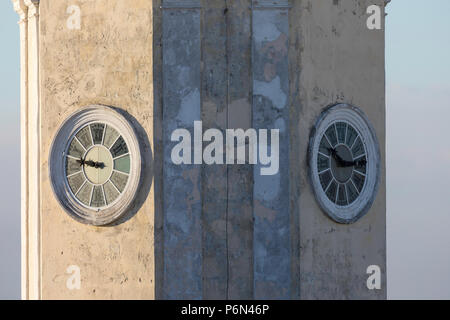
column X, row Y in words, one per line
column 331, row 134
column 352, row 193
column 85, row 194
column 110, row 136
column 341, row 131
column 323, row 163
column 324, row 146
column 97, row 197
column 72, row 166
column 325, row 179
column 331, row 192
column 358, row 180
column 342, row 197
column 110, row 192
column 76, row 181
column 358, row 148
column 75, row 149
column 119, row 148
column 97, row 132
column 122, row 164
column 119, row 180
column 85, row 137
column 351, row 136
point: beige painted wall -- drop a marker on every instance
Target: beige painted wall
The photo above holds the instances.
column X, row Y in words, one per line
column 108, row 61
column 333, row 58
column 341, row 60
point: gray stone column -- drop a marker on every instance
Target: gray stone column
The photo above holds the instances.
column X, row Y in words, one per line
column 182, row 183
column 240, row 176
column 271, row 239
column 214, row 177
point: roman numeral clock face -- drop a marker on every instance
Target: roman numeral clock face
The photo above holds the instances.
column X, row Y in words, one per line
column 344, row 163
column 95, row 165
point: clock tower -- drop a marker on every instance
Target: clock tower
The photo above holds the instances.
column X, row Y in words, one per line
column 108, row 85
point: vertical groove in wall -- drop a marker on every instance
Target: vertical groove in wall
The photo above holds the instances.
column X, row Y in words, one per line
column 227, row 100
column 182, row 183
column 296, row 153
column 34, row 242
column 22, row 11
column 214, row 177
column 240, row 176
column 272, row 242
column 158, row 151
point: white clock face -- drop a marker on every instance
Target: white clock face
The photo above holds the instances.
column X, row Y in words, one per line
column 98, row 164
column 344, row 163
column 341, row 163
column 95, row 165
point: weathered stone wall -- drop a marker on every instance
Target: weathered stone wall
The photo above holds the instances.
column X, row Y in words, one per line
column 108, row 61
column 341, row 60
column 213, row 231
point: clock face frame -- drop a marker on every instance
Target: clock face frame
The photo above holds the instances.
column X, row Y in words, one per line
column 95, row 165
column 344, row 163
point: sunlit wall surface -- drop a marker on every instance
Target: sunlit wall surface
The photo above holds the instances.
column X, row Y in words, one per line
column 418, row 150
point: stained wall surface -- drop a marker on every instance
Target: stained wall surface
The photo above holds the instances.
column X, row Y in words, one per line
column 341, row 60
column 215, row 231
column 108, row 61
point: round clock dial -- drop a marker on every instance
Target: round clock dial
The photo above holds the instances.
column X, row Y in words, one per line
column 344, row 163
column 95, row 165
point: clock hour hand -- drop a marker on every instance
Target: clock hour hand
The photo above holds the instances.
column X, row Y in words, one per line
column 82, row 162
column 90, row 163
column 332, row 152
column 97, row 165
column 344, row 163
column 355, row 163
column 339, row 160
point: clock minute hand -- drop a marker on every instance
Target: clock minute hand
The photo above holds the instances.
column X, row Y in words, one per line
column 100, row 165
column 344, row 163
column 96, row 165
column 91, row 163
column 340, row 162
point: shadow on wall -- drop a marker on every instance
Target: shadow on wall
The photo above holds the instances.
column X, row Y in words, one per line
column 145, row 182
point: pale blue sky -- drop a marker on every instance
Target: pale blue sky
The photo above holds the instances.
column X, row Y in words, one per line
column 418, row 148
column 418, row 152
column 10, row 154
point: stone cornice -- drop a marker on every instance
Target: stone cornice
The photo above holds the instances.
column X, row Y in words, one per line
column 33, row 7
column 21, row 9
column 181, row 4
column 270, row 4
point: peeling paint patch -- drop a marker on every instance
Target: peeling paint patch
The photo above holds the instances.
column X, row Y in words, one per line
column 263, row 212
column 271, row 90
column 271, row 236
column 189, row 110
column 266, row 187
